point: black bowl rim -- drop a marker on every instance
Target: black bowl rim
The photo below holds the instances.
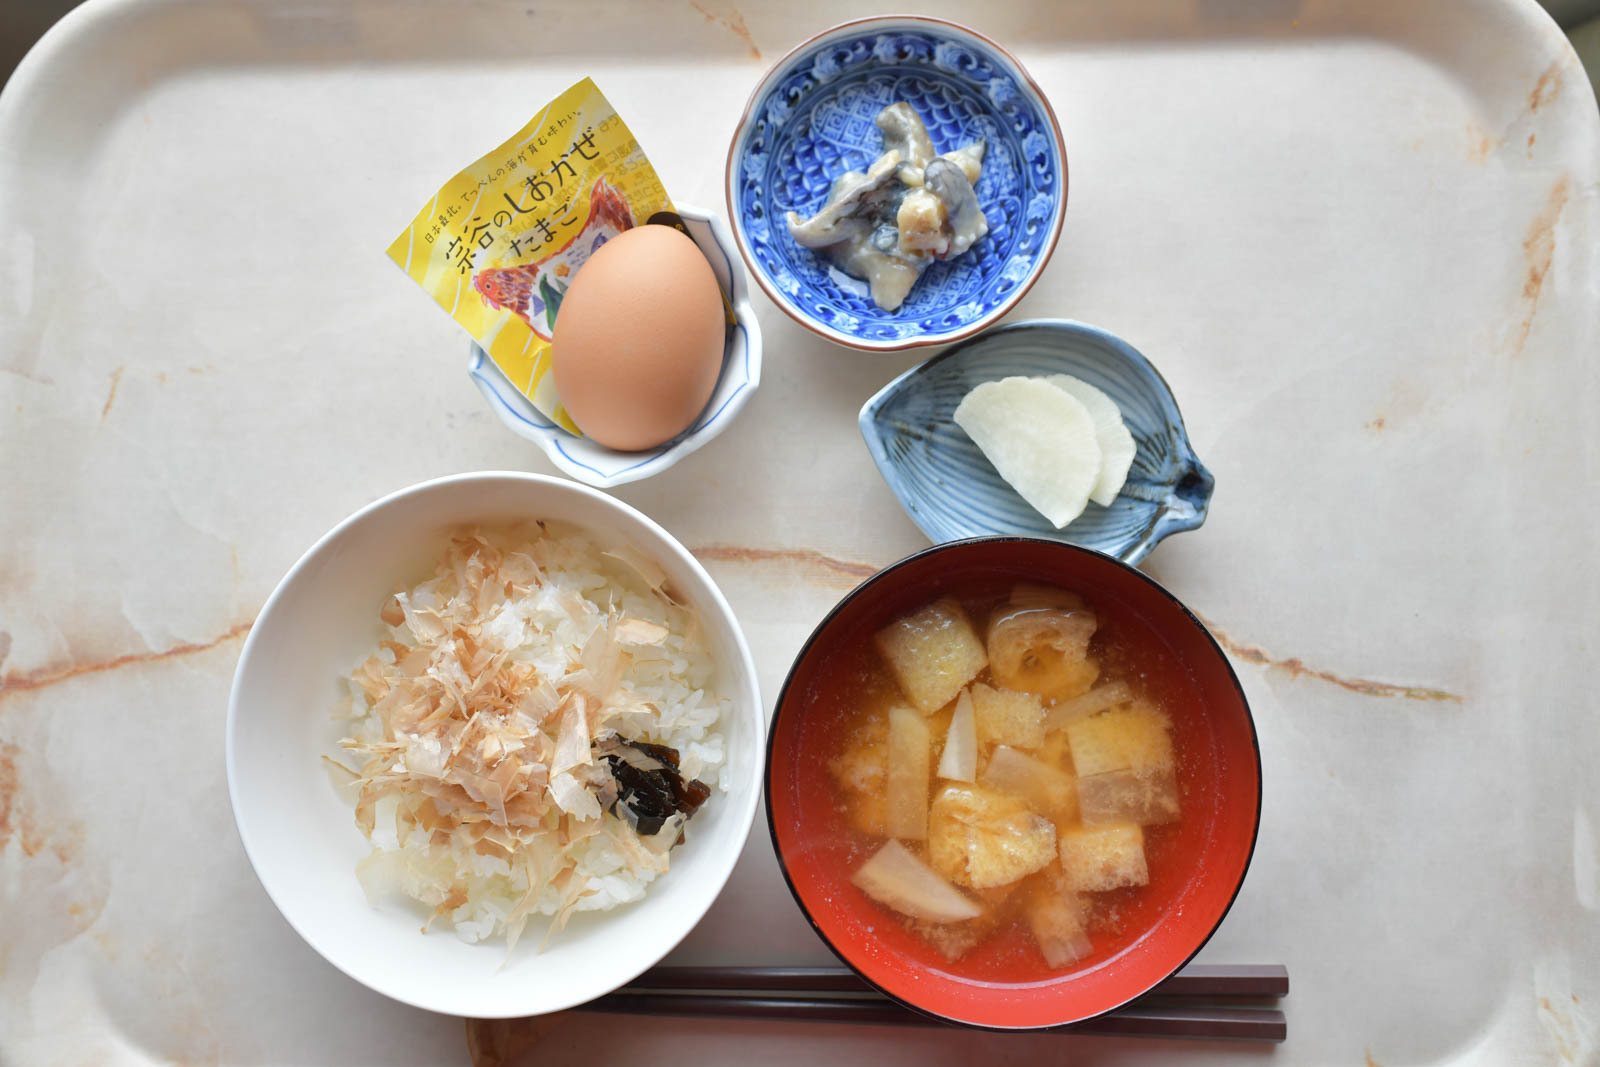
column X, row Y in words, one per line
column 828, row 619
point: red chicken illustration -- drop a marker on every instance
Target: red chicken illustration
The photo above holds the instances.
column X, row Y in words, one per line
column 533, row 291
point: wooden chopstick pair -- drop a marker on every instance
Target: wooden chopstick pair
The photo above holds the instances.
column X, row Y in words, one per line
column 1198, row 980
column 1184, row 1006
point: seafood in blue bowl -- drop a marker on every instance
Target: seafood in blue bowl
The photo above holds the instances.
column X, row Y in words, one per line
column 951, row 490
column 813, row 151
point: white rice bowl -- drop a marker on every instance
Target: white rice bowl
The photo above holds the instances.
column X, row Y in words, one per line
column 299, row 833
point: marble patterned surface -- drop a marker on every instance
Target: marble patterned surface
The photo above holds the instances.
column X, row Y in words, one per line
column 1359, row 240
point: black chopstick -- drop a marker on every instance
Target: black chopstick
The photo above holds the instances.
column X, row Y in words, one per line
column 1194, row 981
column 1134, row 1020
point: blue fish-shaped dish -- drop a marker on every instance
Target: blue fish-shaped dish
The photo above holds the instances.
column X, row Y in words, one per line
column 952, row 491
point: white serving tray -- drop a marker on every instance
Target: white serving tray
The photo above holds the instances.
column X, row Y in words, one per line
column 1360, row 240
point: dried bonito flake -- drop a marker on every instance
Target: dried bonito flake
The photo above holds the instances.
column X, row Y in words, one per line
column 531, row 727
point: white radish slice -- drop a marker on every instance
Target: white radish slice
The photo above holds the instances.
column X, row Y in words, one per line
column 959, row 761
column 896, row 878
column 1093, row 702
column 1046, row 789
column 907, row 789
column 1040, row 438
column 1057, row 925
column 1116, row 443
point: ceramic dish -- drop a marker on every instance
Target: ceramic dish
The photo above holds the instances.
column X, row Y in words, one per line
column 952, row 491
column 1206, row 860
column 604, row 467
column 301, row 836
column 811, row 118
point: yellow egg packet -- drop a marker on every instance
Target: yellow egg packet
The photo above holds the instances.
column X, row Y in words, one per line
column 500, row 242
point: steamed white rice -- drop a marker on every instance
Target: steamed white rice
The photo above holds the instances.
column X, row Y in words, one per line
column 553, row 595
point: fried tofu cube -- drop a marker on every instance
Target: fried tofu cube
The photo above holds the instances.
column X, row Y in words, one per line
column 1043, row 650
column 1057, row 751
column 983, row 838
column 860, row 767
column 1134, row 738
column 1149, row 798
column 869, row 813
column 1095, row 859
column 1007, row 718
column 933, row 654
column 1126, row 768
column 861, row 770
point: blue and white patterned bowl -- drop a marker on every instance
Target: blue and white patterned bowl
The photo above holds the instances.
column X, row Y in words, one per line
column 811, row 118
column 952, row 491
column 603, row 467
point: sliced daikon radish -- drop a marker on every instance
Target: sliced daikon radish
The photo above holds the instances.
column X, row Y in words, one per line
column 1056, row 917
column 909, row 755
column 1116, row 443
column 1040, row 438
column 1048, row 790
column 1149, row 798
column 959, row 762
column 897, row 879
column 1094, row 701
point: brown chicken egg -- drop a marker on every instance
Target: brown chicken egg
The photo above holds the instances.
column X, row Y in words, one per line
column 638, row 341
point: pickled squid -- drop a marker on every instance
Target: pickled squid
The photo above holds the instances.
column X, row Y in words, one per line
column 909, row 210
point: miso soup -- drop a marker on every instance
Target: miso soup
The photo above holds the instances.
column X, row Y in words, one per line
column 1009, row 769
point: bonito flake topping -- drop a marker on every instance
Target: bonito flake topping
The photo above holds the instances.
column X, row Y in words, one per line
column 535, row 728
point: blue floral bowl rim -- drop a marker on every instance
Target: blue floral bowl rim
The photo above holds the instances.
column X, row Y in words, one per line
column 740, row 135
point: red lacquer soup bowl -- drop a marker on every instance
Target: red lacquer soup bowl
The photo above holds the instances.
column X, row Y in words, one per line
column 1196, row 865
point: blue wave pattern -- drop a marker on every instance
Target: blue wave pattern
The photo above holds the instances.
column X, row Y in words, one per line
column 817, row 121
column 952, row 491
